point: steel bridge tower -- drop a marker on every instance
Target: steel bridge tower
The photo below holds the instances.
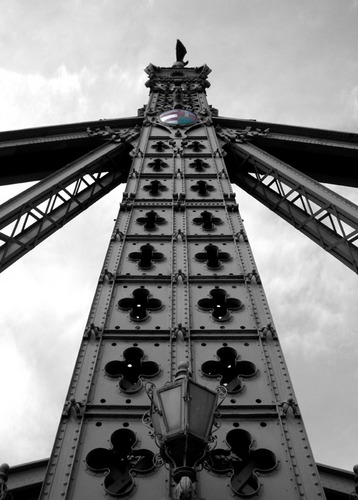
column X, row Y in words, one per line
column 179, row 291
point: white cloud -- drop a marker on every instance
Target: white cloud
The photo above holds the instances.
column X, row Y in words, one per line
column 32, row 99
column 350, row 100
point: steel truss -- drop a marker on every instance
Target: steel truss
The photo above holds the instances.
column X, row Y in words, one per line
column 327, row 218
column 35, row 214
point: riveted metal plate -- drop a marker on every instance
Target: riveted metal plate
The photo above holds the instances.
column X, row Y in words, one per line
column 163, row 166
column 130, row 263
column 89, row 484
column 197, row 146
column 211, row 190
column 106, row 389
column 229, row 264
column 239, row 319
column 200, row 167
column 236, row 223
column 281, row 482
column 155, row 320
column 152, row 189
column 255, row 387
column 219, row 228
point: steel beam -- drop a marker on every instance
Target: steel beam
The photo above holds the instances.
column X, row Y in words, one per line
column 33, row 215
column 325, row 155
column 33, row 154
column 327, row 218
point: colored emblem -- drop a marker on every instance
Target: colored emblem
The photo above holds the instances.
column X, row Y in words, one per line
column 181, row 117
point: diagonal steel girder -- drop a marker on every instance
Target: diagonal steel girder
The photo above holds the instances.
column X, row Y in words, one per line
column 36, row 213
column 324, row 216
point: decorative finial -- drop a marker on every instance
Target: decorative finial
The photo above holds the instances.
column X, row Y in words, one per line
column 183, row 370
column 180, row 53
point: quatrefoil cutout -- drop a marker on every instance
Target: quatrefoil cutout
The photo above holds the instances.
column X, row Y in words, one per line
column 151, row 221
column 140, row 304
column 121, row 462
column 241, row 462
column 155, row 188
column 157, row 165
column 202, row 188
column 146, row 256
column 212, row 256
column 220, row 304
column 207, row 221
column 229, row 369
column 160, row 146
column 131, row 370
column 196, row 146
column 199, row 165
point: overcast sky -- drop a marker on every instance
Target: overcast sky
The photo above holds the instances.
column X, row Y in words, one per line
column 63, row 61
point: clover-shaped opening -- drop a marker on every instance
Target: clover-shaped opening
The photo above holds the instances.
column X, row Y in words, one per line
column 241, row 462
column 122, row 461
column 229, row 369
column 151, row 221
column 157, row 165
column 155, row 188
column 212, row 256
column 131, row 370
column 140, row 304
column 196, row 146
column 207, row 221
column 146, row 256
column 202, row 188
column 160, row 146
column 220, row 304
column 199, row 165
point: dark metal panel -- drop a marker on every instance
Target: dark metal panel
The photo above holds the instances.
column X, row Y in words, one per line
column 281, row 481
column 229, row 265
column 107, row 390
column 121, row 319
column 252, row 389
column 238, row 320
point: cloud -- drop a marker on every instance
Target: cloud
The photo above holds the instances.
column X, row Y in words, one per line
column 350, row 100
column 33, row 99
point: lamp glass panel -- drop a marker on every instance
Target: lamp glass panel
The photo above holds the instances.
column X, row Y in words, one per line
column 201, row 409
column 172, row 402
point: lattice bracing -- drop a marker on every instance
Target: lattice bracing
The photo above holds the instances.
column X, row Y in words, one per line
column 327, row 218
column 35, row 214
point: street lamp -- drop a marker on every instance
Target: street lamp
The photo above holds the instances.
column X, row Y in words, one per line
column 181, row 415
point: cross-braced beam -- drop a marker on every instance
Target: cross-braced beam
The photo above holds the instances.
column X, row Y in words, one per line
column 35, row 214
column 327, row 218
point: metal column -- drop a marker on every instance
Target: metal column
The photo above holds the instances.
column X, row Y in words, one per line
column 179, row 283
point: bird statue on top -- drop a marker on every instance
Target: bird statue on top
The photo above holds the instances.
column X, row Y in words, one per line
column 180, row 53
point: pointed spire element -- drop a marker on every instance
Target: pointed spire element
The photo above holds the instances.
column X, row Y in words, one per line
column 180, row 53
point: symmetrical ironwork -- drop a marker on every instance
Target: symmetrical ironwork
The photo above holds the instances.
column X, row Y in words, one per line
column 179, row 284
